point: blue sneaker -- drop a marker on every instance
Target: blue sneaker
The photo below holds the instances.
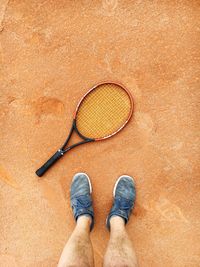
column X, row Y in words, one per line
column 80, row 197
column 124, row 199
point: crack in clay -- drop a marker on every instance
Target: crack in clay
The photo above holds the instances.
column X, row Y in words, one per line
column 11, row 99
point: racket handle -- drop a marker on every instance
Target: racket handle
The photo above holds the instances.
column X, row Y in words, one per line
column 49, row 163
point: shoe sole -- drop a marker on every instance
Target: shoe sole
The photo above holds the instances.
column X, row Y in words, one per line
column 116, row 183
column 82, row 173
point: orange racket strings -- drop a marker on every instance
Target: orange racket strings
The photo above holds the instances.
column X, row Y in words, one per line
column 104, row 111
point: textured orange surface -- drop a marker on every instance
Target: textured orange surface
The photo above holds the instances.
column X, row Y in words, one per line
column 51, row 53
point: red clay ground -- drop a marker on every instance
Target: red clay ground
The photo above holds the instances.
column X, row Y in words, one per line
column 51, row 53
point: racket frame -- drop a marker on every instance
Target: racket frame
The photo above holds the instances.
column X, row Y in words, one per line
column 93, row 88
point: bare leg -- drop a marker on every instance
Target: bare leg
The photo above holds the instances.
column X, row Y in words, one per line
column 120, row 251
column 78, row 251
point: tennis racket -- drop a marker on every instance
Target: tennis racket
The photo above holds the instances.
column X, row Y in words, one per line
column 101, row 113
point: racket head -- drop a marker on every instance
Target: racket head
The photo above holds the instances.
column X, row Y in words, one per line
column 92, row 108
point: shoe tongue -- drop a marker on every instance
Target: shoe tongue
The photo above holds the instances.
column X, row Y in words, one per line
column 83, row 202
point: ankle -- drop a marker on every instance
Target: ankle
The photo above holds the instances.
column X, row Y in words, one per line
column 84, row 222
column 117, row 223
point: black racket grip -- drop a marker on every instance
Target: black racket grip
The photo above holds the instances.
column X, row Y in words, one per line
column 49, row 163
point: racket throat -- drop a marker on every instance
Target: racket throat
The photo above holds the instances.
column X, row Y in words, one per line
column 75, row 145
column 61, row 152
column 82, row 139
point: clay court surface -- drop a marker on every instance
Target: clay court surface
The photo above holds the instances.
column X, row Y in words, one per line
column 51, row 53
